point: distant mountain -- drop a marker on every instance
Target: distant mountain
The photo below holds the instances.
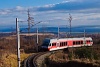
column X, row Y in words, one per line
column 89, row 29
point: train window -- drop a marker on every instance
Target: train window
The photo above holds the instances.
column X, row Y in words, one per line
column 73, row 42
column 61, row 43
column 91, row 41
column 76, row 42
column 53, row 44
column 81, row 42
column 88, row 41
column 49, row 44
column 66, row 43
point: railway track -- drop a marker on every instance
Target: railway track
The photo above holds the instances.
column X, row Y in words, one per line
column 31, row 60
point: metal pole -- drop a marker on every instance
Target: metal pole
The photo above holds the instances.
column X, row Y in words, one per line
column 18, row 42
column 70, row 19
column 84, row 38
column 37, row 39
column 58, row 32
column 28, row 21
column 70, row 27
column 84, row 33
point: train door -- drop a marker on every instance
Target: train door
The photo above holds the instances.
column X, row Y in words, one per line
column 57, row 44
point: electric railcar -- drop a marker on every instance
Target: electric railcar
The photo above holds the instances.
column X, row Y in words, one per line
column 56, row 44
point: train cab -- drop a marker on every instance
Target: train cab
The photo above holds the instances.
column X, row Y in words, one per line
column 46, row 44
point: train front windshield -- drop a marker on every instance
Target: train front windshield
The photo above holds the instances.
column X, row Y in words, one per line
column 46, row 43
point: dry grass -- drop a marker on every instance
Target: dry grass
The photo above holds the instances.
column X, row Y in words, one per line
column 11, row 60
column 60, row 57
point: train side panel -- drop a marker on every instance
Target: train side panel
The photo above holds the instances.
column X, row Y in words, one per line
column 70, row 43
column 56, row 44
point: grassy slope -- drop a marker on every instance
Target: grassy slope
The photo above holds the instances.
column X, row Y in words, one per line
column 11, row 60
column 61, row 57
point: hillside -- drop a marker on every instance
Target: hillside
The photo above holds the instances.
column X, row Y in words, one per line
column 8, row 44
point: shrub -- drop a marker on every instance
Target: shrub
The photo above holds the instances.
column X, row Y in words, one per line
column 86, row 52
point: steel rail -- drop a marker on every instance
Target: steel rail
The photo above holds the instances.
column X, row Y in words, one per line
column 31, row 60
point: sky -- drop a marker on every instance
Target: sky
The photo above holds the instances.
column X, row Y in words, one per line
column 50, row 12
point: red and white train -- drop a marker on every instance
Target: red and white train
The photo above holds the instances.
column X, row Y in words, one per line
column 56, row 44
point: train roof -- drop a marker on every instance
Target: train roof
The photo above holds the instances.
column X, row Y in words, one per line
column 64, row 39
